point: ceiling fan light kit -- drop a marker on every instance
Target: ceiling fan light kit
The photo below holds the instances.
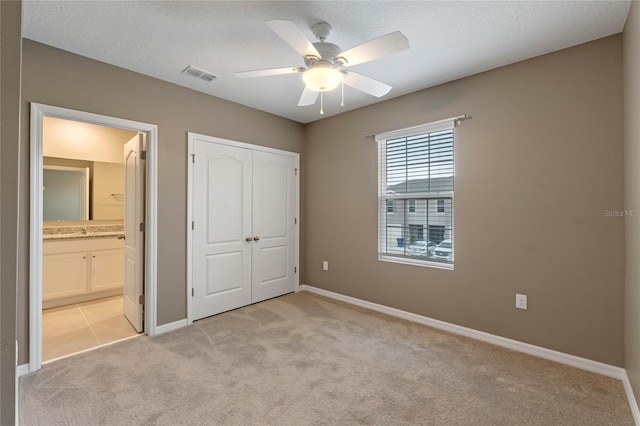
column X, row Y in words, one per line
column 326, row 63
column 322, row 78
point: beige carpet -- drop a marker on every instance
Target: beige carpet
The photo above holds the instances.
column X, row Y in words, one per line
column 302, row 359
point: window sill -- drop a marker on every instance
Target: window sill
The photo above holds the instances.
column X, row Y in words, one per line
column 416, row 262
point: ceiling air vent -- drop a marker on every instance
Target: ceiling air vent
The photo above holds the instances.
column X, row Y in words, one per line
column 198, row 73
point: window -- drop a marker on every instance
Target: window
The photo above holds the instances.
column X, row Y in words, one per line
column 389, row 206
column 416, row 175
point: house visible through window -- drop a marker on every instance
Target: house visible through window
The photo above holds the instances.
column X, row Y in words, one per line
column 436, row 233
column 416, row 233
column 416, row 176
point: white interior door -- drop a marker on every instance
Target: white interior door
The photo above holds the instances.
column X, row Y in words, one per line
column 134, row 236
column 273, row 248
column 222, row 237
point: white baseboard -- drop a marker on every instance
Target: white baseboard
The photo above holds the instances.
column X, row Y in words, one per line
column 561, row 357
column 165, row 328
column 21, row 370
column 632, row 398
column 572, row 360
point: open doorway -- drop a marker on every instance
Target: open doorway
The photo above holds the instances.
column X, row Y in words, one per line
column 92, row 223
column 83, row 263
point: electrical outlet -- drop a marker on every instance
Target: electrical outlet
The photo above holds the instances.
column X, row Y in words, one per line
column 521, row 301
column 325, row 265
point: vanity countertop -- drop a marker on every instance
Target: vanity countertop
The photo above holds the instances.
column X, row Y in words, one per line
column 76, row 232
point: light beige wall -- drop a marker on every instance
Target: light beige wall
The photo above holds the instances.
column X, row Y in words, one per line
column 631, row 54
column 83, row 141
column 108, row 179
column 536, row 168
column 10, row 52
column 55, row 77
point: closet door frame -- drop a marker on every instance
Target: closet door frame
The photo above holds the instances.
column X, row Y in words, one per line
column 192, row 137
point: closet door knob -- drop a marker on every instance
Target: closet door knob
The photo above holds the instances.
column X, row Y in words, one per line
column 248, row 239
column 256, row 238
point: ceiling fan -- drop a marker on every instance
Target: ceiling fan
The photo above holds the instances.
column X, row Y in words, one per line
column 326, row 64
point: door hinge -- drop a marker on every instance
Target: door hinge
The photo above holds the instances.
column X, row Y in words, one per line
column 295, row 269
column 141, row 299
column 193, row 225
column 295, row 220
column 143, row 155
column 142, row 227
column 296, row 172
column 193, row 158
column 193, row 292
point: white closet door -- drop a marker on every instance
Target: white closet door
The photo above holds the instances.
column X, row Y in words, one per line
column 222, row 223
column 274, row 207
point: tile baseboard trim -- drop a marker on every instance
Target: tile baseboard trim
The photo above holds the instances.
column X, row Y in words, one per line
column 538, row 351
column 72, row 300
column 165, row 328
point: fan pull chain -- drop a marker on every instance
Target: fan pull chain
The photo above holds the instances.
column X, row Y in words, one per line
column 321, row 103
column 342, row 102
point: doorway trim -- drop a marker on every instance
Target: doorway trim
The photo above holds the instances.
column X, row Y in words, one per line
column 191, row 138
column 38, row 112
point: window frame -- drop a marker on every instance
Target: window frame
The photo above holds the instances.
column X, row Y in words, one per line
column 381, row 140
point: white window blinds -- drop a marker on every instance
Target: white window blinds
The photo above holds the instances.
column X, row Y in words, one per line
column 415, row 201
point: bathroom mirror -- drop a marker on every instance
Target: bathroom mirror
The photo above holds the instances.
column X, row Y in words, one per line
column 65, row 193
column 89, row 190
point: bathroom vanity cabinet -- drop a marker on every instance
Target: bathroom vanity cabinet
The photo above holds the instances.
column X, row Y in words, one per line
column 82, row 269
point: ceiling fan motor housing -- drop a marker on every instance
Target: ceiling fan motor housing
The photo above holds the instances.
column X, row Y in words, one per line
column 327, row 51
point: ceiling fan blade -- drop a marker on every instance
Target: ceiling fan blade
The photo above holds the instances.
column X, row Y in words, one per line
column 268, row 72
column 374, row 49
column 308, row 97
column 292, row 35
column 366, row 84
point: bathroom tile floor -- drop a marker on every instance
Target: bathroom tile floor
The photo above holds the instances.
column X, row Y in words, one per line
column 74, row 328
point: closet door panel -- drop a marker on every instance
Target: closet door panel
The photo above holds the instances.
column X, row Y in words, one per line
column 273, row 225
column 222, row 223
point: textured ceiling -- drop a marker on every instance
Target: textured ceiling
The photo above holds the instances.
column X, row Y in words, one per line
column 449, row 40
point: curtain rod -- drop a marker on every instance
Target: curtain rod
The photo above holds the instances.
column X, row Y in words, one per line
column 456, row 119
